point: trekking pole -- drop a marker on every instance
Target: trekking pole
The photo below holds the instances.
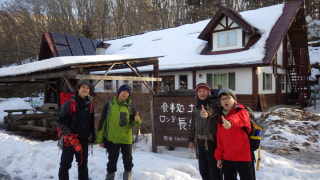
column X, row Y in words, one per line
column 258, row 162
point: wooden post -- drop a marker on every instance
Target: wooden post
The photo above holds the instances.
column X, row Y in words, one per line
column 154, row 147
column 156, row 74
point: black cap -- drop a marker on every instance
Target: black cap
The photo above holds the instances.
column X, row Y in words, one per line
column 87, row 82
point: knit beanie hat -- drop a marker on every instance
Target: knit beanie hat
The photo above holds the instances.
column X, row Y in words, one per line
column 227, row 91
column 203, row 86
column 87, row 82
column 124, row 88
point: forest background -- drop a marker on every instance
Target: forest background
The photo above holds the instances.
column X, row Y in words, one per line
column 22, row 22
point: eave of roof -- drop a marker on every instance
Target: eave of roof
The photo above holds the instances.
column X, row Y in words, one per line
column 280, row 29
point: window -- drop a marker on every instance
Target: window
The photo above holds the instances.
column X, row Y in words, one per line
column 267, row 81
column 222, row 80
column 183, row 82
column 228, row 38
column 283, row 82
column 167, row 82
column 136, row 86
column 107, row 85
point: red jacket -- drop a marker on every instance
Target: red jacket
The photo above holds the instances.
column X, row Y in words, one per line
column 233, row 144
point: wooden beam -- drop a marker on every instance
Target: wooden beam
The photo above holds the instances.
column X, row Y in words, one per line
column 156, row 74
column 102, row 77
column 118, row 62
column 68, row 84
column 33, row 128
column 95, row 86
column 139, row 75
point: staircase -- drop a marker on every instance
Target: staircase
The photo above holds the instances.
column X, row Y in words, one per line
column 299, row 80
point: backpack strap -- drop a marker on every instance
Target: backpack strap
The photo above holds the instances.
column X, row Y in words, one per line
column 110, row 103
column 91, row 107
column 238, row 109
column 72, row 106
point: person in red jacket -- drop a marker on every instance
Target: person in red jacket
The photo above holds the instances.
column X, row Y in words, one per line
column 233, row 153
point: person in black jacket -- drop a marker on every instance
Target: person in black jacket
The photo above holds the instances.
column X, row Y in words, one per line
column 76, row 122
column 203, row 130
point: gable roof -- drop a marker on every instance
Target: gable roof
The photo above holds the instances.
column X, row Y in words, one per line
column 56, row 44
column 277, row 34
column 181, row 49
column 223, row 11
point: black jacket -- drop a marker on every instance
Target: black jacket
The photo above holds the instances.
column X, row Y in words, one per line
column 80, row 122
column 204, row 129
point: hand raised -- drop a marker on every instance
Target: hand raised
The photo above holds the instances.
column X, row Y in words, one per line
column 226, row 124
column 203, row 112
column 137, row 117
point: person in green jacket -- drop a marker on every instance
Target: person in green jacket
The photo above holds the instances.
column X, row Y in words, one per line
column 115, row 132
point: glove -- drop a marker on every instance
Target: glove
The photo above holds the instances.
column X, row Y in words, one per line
column 71, row 140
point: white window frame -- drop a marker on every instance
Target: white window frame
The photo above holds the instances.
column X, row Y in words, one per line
column 183, row 86
column 227, row 39
column 225, row 84
column 108, row 85
column 267, row 81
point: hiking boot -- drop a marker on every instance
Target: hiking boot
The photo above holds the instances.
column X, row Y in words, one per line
column 127, row 175
column 110, row 176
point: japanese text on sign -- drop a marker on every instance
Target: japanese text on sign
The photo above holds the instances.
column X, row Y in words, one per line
column 179, row 112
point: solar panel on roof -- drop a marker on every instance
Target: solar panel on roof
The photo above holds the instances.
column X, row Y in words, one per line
column 87, row 46
column 75, row 46
column 63, row 50
column 59, row 38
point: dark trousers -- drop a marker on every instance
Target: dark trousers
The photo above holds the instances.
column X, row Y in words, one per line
column 231, row 168
column 67, row 158
column 208, row 164
column 114, row 151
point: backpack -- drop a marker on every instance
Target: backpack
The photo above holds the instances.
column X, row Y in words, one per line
column 255, row 134
column 63, row 98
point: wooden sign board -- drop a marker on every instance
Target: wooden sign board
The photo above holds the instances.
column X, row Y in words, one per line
column 172, row 120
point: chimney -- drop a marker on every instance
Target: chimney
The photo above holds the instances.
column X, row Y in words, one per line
column 100, row 49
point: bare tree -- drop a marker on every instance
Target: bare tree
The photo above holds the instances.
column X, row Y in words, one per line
column 22, row 22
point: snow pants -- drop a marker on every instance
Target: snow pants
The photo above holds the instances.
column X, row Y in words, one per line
column 67, row 158
column 208, row 164
column 231, row 168
column 114, row 150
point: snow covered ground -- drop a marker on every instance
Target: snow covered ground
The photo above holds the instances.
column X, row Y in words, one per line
column 26, row 159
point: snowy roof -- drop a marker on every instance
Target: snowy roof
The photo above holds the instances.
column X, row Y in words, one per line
column 178, row 47
column 181, row 47
column 64, row 61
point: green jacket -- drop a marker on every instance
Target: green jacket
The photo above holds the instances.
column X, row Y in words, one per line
column 116, row 122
